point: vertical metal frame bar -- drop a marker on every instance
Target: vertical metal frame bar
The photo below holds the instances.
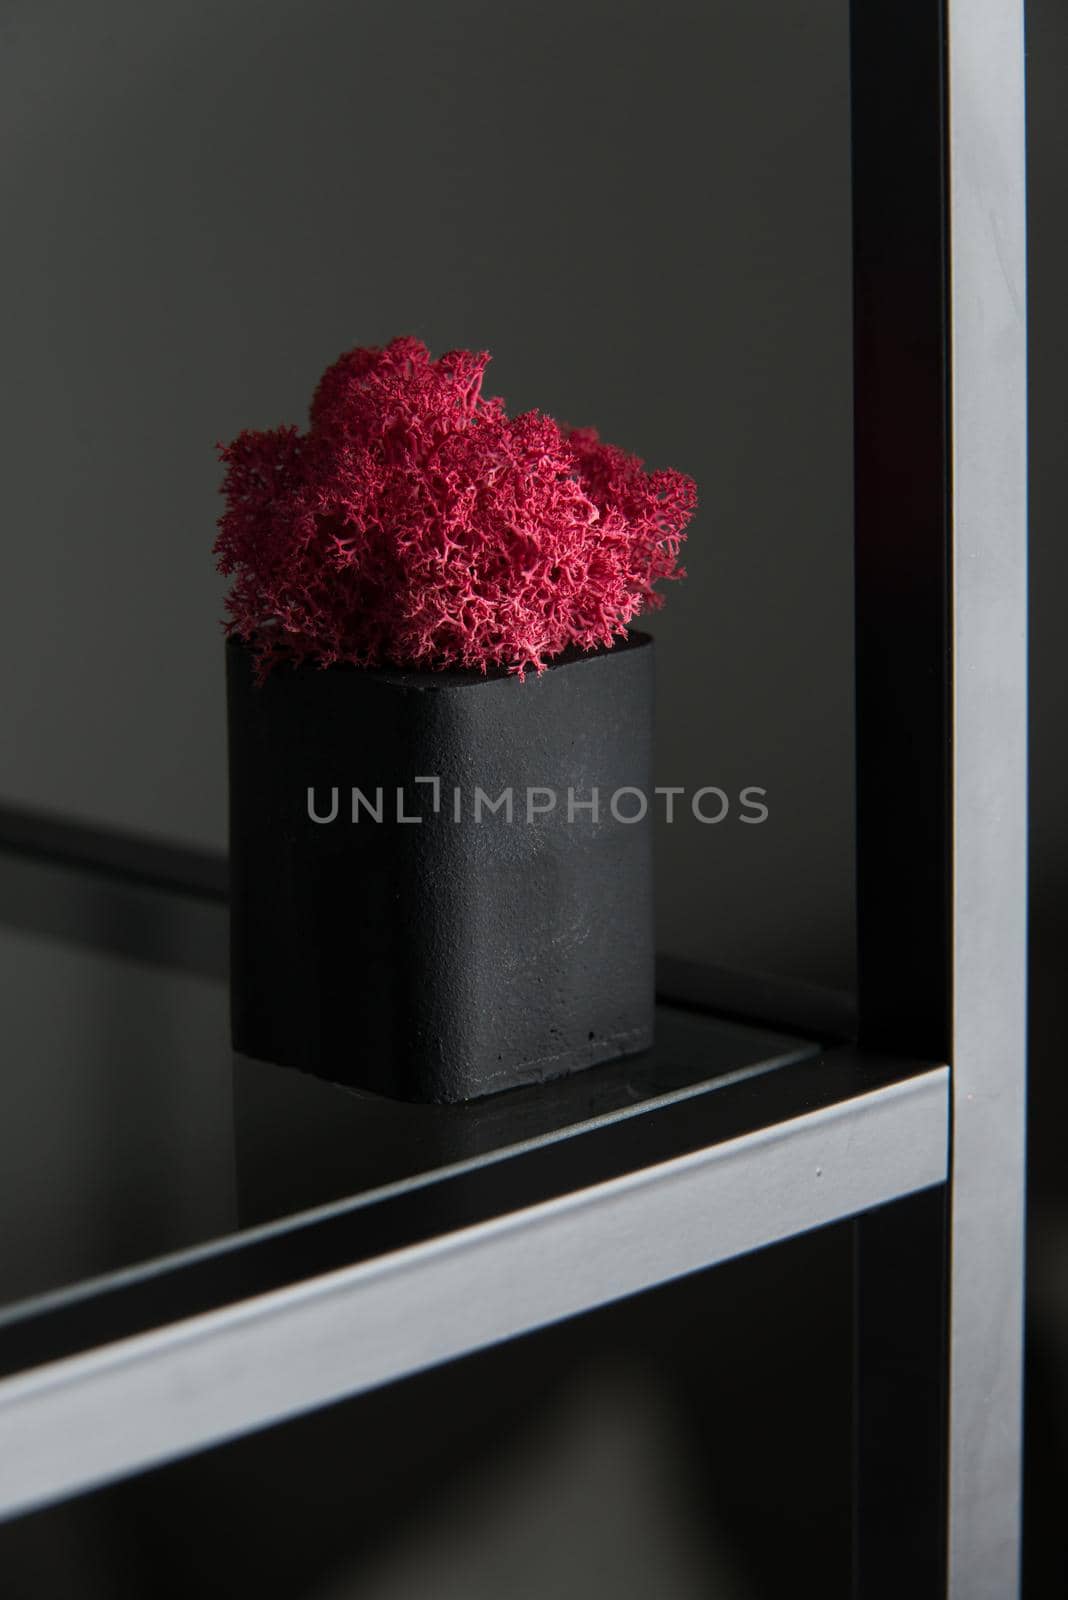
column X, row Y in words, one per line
column 901, row 356
column 901, row 477
column 989, row 622
column 940, row 461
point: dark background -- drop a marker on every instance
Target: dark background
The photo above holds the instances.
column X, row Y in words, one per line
column 643, row 211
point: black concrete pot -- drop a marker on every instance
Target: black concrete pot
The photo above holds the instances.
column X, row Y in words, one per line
column 442, row 959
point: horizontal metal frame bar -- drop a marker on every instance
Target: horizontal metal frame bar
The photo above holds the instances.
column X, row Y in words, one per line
column 475, row 1187
column 88, row 1419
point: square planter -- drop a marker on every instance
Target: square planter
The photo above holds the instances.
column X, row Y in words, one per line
column 441, row 882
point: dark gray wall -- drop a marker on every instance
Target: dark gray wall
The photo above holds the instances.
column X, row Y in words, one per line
column 642, row 210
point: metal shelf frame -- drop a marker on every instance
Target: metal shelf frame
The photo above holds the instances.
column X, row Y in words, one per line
column 219, row 1343
column 915, row 1129
column 941, row 625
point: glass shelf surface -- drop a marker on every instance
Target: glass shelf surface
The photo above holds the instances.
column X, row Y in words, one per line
column 129, row 1131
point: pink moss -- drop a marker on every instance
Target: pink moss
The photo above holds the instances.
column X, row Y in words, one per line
column 417, row 524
